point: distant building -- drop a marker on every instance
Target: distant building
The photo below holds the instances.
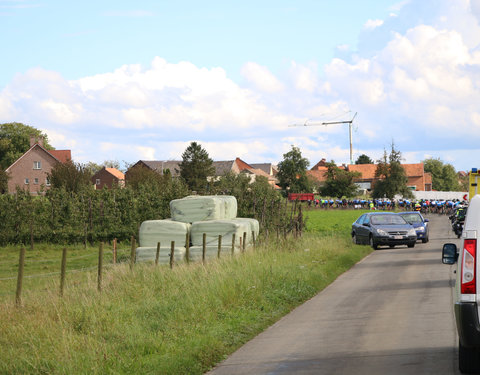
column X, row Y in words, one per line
column 30, row 171
column 418, row 179
column 108, row 177
column 221, row 169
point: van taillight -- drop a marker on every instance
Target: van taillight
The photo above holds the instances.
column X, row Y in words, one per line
column 468, row 267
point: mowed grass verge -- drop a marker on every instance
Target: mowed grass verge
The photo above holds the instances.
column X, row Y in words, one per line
column 161, row 321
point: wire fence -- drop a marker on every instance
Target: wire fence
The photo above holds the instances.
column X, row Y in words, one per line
column 100, row 266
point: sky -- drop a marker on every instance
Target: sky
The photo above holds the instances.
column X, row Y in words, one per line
column 128, row 81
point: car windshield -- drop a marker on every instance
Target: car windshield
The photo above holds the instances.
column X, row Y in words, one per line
column 387, row 219
column 412, row 218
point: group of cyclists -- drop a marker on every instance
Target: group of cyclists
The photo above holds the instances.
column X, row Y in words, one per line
column 440, row 206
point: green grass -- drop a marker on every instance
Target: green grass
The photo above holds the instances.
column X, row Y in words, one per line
column 336, row 222
column 160, row 321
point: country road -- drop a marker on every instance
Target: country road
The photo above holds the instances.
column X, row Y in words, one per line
column 390, row 314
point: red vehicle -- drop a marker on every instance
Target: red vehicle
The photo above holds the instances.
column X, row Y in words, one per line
column 303, row 197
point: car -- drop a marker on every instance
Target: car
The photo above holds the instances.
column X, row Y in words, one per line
column 383, row 228
column 467, row 287
column 419, row 223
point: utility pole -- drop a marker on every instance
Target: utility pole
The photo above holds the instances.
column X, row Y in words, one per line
column 325, row 123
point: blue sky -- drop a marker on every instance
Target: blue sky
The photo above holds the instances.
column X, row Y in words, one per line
column 141, row 80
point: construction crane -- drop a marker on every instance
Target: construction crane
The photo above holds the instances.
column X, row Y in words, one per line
column 325, row 123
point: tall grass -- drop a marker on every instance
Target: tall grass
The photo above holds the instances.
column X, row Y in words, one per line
column 162, row 321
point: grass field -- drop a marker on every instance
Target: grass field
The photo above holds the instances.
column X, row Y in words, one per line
column 157, row 320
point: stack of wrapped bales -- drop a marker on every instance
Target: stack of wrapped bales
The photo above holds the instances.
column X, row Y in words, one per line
column 196, row 215
column 164, row 231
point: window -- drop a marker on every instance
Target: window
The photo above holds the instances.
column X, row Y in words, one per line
column 27, row 181
column 97, row 182
column 37, row 165
column 35, row 181
column 47, row 182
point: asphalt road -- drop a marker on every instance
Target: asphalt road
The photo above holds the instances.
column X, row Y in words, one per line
column 390, row 314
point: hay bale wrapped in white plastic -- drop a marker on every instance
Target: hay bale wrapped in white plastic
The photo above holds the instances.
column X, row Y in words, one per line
column 164, row 231
column 210, row 252
column 147, row 254
column 214, row 228
column 201, row 208
column 253, row 227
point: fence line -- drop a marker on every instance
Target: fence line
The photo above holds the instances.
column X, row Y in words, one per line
column 100, row 266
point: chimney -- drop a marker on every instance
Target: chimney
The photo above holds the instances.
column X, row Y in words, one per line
column 34, row 140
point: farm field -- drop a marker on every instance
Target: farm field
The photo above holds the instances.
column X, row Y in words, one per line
column 157, row 320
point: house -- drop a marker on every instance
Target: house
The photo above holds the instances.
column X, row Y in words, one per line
column 108, row 177
column 239, row 166
column 159, row 166
column 221, row 168
column 418, row 179
column 30, row 171
column 317, row 172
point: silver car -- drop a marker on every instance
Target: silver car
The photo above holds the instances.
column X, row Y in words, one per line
column 383, row 229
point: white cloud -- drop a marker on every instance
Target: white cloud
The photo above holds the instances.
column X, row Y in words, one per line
column 373, row 24
column 261, row 78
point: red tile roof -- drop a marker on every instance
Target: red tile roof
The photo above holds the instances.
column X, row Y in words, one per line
column 61, row 155
column 367, row 170
column 318, row 174
column 115, row 172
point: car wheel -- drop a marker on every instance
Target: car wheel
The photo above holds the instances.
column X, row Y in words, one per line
column 392, row 246
column 411, row 244
column 425, row 240
column 373, row 244
column 468, row 359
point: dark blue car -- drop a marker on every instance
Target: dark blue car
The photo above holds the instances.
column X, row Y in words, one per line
column 419, row 223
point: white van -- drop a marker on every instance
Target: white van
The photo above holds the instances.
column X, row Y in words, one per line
column 467, row 288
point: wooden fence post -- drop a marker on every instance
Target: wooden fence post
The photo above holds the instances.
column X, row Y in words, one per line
column 132, row 253
column 21, row 264
column 63, row 270
column 219, row 245
column 172, row 254
column 244, row 241
column 204, row 247
column 187, row 247
column 114, row 251
column 100, row 266
column 157, row 255
column 233, row 243
column 253, row 240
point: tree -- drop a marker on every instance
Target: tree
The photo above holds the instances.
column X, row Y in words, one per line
column 392, row 177
column 15, row 141
column 339, row 182
column 141, row 175
column 444, row 176
column 292, row 172
column 196, row 167
column 70, row 176
column 3, row 181
column 364, row 159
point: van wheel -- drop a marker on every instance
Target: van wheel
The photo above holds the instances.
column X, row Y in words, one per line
column 468, row 359
column 373, row 244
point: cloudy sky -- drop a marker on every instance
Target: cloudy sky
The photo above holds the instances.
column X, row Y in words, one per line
column 122, row 80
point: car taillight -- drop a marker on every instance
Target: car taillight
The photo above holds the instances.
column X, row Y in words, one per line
column 468, row 267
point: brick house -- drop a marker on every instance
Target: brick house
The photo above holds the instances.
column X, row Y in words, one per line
column 108, row 177
column 30, row 171
column 418, row 179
